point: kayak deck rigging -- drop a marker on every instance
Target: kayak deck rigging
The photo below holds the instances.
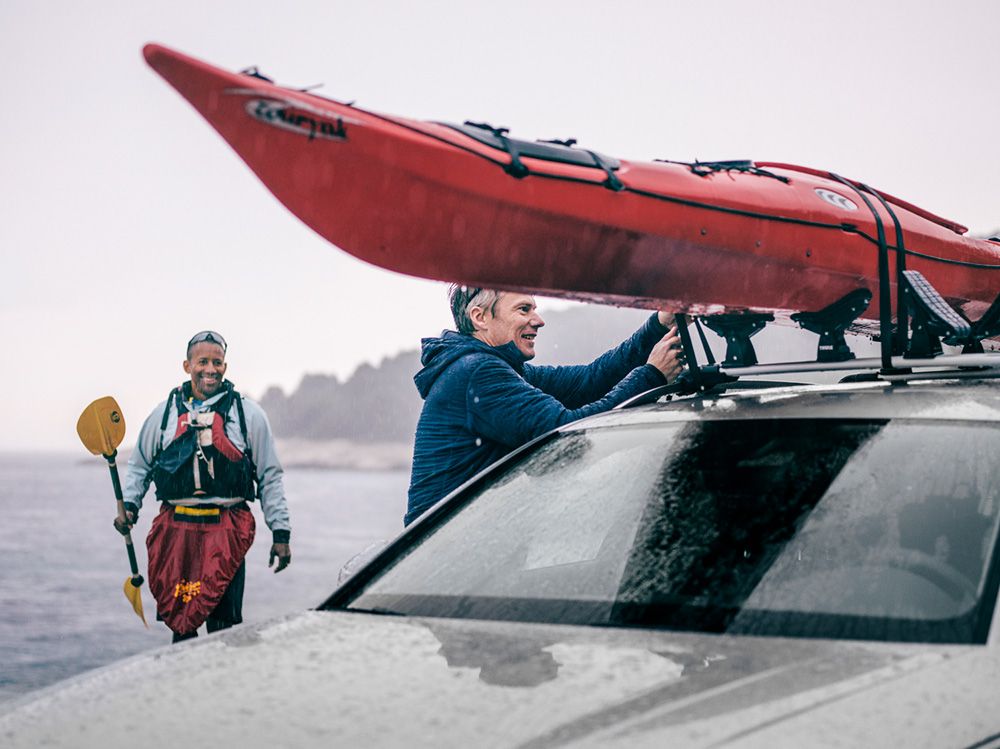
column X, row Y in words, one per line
column 565, row 152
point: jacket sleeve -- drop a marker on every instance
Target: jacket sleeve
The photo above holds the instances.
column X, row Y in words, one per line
column 505, row 408
column 576, row 386
column 270, row 474
column 140, row 461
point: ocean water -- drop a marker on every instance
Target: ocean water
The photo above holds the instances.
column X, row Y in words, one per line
column 62, row 565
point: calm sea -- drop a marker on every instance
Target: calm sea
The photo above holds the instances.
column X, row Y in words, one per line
column 62, row 565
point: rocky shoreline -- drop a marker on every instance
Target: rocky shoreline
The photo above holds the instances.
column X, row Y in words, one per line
column 345, row 454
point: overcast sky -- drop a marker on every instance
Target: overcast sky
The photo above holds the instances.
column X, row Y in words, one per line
column 128, row 224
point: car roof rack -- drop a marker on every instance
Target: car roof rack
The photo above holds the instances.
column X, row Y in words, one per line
column 926, row 319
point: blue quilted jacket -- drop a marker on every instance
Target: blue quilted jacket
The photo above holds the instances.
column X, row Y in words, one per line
column 481, row 402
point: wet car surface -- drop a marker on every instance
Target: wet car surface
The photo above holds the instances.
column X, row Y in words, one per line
column 809, row 565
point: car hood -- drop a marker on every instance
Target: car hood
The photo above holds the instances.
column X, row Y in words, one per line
column 351, row 679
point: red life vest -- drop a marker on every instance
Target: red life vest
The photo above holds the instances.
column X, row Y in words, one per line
column 201, row 460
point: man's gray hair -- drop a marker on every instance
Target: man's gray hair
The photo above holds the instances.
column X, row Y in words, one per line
column 464, row 298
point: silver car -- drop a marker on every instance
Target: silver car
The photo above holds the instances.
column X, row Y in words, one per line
column 778, row 566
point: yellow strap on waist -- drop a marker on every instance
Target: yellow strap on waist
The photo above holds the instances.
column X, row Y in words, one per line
column 196, row 511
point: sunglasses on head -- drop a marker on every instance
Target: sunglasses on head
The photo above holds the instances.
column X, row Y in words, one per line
column 207, row 336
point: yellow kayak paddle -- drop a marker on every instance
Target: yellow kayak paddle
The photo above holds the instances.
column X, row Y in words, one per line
column 101, row 428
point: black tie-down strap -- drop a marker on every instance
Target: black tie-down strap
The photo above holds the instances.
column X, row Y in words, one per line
column 885, row 301
column 606, row 165
column 603, row 163
column 611, row 181
column 515, row 168
column 696, row 377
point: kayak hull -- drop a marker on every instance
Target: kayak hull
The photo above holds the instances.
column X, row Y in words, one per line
column 428, row 200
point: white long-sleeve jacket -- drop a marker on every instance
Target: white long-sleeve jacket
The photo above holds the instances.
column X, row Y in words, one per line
column 270, row 484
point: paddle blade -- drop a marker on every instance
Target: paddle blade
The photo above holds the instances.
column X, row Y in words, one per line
column 134, row 596
column 101, row 426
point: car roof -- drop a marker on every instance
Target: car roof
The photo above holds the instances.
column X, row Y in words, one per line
column 962, row 398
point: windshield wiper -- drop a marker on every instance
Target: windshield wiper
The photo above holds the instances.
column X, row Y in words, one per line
column 378, row 610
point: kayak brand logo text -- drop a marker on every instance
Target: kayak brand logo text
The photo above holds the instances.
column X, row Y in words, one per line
column 836, row 199
column 292, row 118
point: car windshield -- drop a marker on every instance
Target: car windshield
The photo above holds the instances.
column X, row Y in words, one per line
column 810, row 528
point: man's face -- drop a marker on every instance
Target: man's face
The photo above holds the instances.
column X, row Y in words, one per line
column 515, row 318
column 207, row 367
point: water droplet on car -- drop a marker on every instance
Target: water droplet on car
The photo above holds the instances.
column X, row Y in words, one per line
column 479, row 441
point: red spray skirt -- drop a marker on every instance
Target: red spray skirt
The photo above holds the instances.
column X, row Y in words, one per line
column 193, row 555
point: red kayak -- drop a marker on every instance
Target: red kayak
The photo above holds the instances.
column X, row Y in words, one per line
column 467, row 203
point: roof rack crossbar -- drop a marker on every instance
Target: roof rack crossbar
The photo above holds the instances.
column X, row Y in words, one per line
column 955, row 361
column 831, row 322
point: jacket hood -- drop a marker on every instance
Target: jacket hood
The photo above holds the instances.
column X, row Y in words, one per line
column 437, row 354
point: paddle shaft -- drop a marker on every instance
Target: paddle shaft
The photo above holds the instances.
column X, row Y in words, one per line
column 113, row 467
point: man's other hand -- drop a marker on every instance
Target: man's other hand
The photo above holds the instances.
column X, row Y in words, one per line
column 281, row 552
column 666, row 355
column 125, row 525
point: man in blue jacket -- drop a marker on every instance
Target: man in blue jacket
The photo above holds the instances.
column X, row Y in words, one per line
column 482, row 400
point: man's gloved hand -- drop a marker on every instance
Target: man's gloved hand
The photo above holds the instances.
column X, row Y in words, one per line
column 124, row 526
column 666, row 355
column 281, row 552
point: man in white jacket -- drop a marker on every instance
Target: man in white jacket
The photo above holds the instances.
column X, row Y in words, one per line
column 210, row 452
